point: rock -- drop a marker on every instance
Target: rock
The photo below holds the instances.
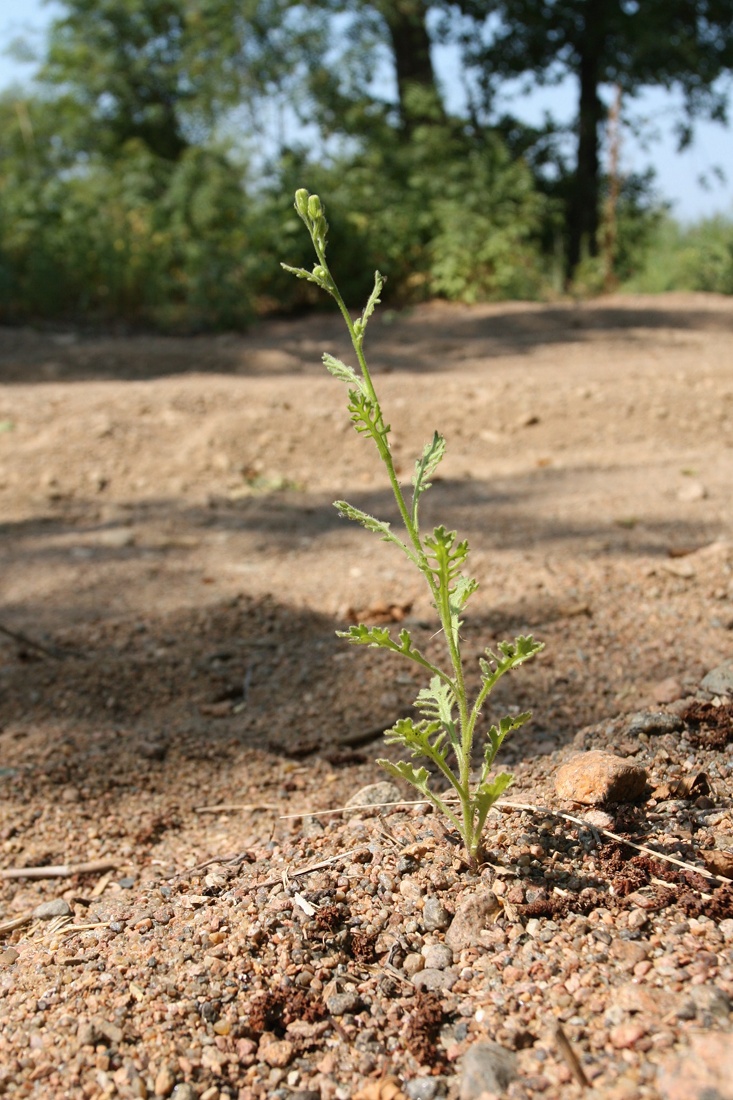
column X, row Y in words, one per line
column 375, row 794
column 710, row 1000
column 153, row 749
column 432, row 981
column 184, row 1092
column 413, row 963
column 86, row 1036
column 626, row 1036
column 47, row 910
column 275, row 1052
column 726, row 929
column 474, row 914
column 164, row 1082
column 339, row 1004
column 435, row 916
column 597, row 776
column 105, row 1028
column 115, row 538
column 653, row 723
column 599, row 818
column 422, row 1088
column 438, row 956
column 705, row 1073
column 629, row 952
column 691, row 492
column 487, row 1067
column 636, row 997
column 719, row 681
column 666, row 691
column 8, row 956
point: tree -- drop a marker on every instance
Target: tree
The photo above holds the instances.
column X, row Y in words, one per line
column 676, row 44
column 368, row 37
column 420, row 101
column 166, row 72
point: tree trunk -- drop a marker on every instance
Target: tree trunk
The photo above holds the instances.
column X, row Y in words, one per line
column 583, row 209
column 419, row 99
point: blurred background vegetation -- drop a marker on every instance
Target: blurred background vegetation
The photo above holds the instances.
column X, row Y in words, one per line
column 147, row 174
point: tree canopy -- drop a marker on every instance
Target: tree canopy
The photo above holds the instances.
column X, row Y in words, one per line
column 148, row 172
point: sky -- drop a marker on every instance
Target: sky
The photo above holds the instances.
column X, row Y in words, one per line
column 678, row 174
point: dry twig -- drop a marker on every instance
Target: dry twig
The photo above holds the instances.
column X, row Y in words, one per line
column 61, row 870
column 50, row 650
column 570, row 1057
column 502, row 804
column 233, row 806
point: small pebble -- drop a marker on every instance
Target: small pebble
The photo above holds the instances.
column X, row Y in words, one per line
column 432, row 980
column 339, row 1004
column 47, row 910
column 438, row 956
column 435, row 917
column 486, row 1067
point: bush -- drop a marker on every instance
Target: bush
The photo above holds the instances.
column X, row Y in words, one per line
column 444, row 215
column 137, row 239
column 693, row 257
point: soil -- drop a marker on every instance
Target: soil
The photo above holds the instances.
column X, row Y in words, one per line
column 172, row 690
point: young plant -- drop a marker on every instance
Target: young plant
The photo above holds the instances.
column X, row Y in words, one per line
column 444, row 734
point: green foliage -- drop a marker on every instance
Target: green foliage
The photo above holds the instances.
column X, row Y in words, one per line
column 682, row 44
column 444, row 734
column 135, row 238
column 450, row 216
column 692, row 257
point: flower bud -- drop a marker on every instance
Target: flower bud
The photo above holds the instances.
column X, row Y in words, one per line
column 315, row 210
column 301, row 202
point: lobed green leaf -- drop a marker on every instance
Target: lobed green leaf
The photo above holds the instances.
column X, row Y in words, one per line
column 372, row 303
column 380, row 527
column 425, row 467
column 486, row 795
column 497, row 734
column 342, row 371
column 418, row 777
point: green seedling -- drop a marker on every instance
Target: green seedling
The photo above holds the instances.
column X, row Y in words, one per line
column 444, row 734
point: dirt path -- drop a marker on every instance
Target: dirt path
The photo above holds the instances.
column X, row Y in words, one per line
column 167, row 532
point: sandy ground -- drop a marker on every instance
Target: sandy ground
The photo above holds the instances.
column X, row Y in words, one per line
column 172, row 573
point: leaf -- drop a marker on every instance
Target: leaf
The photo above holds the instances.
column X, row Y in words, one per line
column 487, row 794
column 510, row 655
column 437, row 701
column 424, row 468
column 377, row 525
column 310, row 276
column 418, row 777
column 372, row 303
column 342, row 371
column 718, row 862
column 448, row 555
column 416, row 736
column 462, row 589
column 368, row 635
column 497, row 734
column 521, row 649
column 379, row 636
column 367, row 417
